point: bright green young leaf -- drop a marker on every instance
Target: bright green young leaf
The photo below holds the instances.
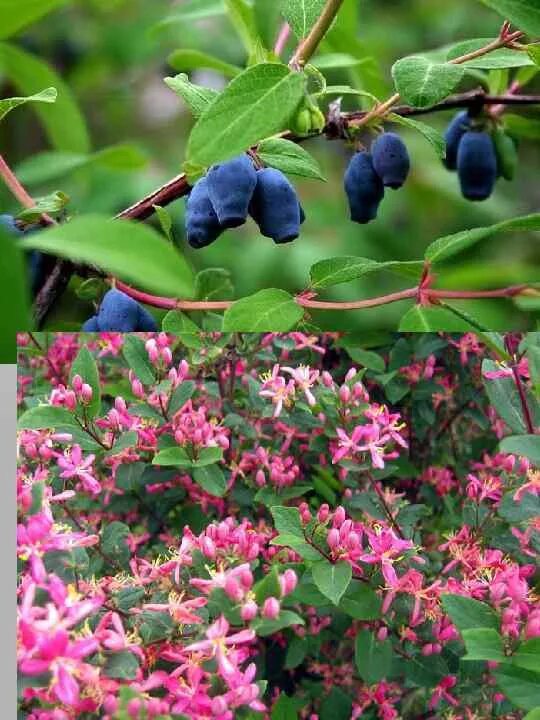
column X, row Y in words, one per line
column 289, row 158
column 533, row 714
column 520, row 127
column 373, row 658
column 85, row 366
column 63, row 120
column 301, row 14
column 299, row 545
column 264, row 627
column 504, row 397
column 132, row 251
column 521, row 686
column 47, row 96
column 524, row 445
column 430, row 318
column 468, row 614
column 496, row 59
column 483, row 644
column 527, row 655
column 255, row 105
column 213, row 284
column 268, row 587
column 208, row 456
column 434, row 137
column 45, row 417
column 242, row 17
column 332, row 579
column 287, row 521
column 52, row 204
column 183, row 60
column 196, row 97
column 524, row 14
column 165, row 221
column 17, row 14
column 211, row 479
column 334, row 271
column 331, row 61
column 268, row 310
column 534, row 53
column 445, row 247
column 175, row 456
column 137, row 358
column 421, row 82
column 14, row 294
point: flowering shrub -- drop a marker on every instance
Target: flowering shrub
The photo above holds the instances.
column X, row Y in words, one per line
column 279, row 526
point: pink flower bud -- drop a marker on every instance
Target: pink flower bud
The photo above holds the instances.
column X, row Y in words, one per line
column 353, row 541
column 77, row 383
column 208, row 547
column 327, row 380
column 246, row 578
column 152, row 350
column 351, row 373
column 339, row 516
column 249, row 610
column 382, row 633
column 166, row 355
column 324, row 512
column 137, row 388
column 110, row 704
column 344, row 394
column 134, row 707
column 86, row 393
column 219, row 705
column 333, row 539
column 288, row 581
column 260, row 479
column 271, row 608
column 233, row 589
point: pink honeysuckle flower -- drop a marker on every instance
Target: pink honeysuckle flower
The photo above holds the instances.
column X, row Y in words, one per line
column 304, row 379
column 217, row 642
column 111, row 634
column 180, row 611
column 74, row 466
column 350, row 446
column 441, row 692
column 220, row 578
column 277, row 389
column 531, row 486
column 386, row 549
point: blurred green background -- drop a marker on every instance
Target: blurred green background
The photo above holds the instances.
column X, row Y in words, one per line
column 113, row 56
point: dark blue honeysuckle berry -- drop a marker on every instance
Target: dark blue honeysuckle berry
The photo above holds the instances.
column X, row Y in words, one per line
column 454, row 132
column 9, row 224
column 230, row 187
column 364, row 188
column 390, row 159
column 122, row 313
column 275, row 207
column 476, row 165
column 35, row 259
column 91, row 325
column 202, row 224
column 302, row 214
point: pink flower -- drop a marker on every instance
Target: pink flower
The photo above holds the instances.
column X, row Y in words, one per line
column 386, row 549
column 74, row 466
column 217, row 642
column 304, row 379
column 278, row 389
column 180, row 611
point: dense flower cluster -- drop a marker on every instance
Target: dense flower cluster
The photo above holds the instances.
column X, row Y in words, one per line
column 260, row 527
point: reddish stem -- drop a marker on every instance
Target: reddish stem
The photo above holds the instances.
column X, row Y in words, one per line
column 282, row 38
column 18, row 191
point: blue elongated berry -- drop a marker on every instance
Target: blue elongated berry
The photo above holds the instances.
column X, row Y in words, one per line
column 9, row 224
column 202, row 225
column 476, row 165
column 275, row 207
column 454, row 132
column 146, row 322
column 230, row 187
column 390, row 159
column 121, row 313
column 91, row 325
column 364, row 188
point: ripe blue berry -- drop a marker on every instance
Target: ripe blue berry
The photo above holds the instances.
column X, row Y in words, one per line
column 121, row 313
column 275, row 207
column 202, row 225
column 230, row 187
column 91, row 325
column 476, row 165
column 364, row 188
column 454, row 132
column 390, row 159
column 8, row 223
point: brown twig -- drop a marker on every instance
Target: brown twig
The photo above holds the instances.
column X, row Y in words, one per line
column 310, row 43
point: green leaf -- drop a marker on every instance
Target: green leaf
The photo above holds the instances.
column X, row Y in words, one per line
column 165, row 221
column 301, row 14
column 52, row 204
column 114, row 542
column 179, row 324
column 533, row 714
column 173, row 456
column 242, row 17
column 434, row 137
column 192, row 59
column 85, row 366
column 330, row 61
column 445, row 247
column 296, row 653
column 483, row 644
column 211, row 479
column 264, row 627
column 256, row 104
column 524, row 14
column 421, row 82
column 45, row 417
column 527, row 655
column 17, row 14
column 429, row 318
column 522, row 687
column 269, row 496
column 180, row 396
column 196, row 97
column 134, row 352
column 522, row 127
column 299, row 545
column 47, row 96
column 289, row 158
column 268, row 310
column 361, row 602
column 213, row 284
column 134, row 252
column 337, row 705
column 504, row 397
column 468, row 614
column 287, row 521
column 496, row 59
column 527, row 508
column 14, row 294
column 268, row 587
column 129, row 476
column 525, row 445
column 534, row 53
column 208, row 456
column 336, row 270
column 373, row 658
column 155, row 626
column 332, row 579
column 122, row 665
column 63, row 121
column 285, row 708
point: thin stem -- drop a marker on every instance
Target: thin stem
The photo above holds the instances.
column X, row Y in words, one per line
column 18, row 190
column 357, row 304
column 521, row 391
column 307, row 47
column 471, row 294
column 281, row 40
column 393, row 522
